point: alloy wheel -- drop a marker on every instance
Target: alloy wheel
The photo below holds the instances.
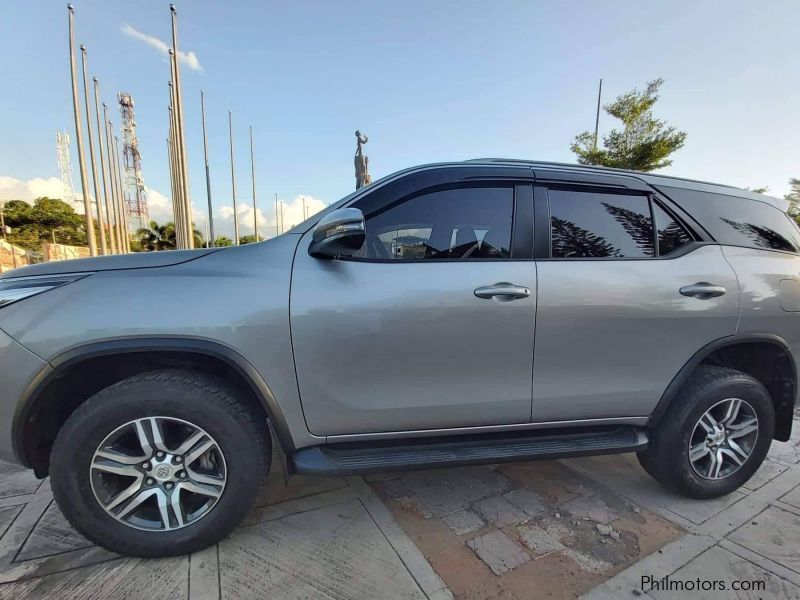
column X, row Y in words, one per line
column 723, row 438
column 158, row 473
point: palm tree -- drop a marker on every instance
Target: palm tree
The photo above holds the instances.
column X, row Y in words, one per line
column 157, row 237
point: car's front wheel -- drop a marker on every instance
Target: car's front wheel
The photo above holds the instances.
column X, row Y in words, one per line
column 714, row 435
column 162, row 463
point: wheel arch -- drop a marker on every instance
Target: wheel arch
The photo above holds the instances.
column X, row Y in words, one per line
column 773, row 366
column 112, row 360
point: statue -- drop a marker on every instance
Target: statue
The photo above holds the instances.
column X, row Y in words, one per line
column 361, row 162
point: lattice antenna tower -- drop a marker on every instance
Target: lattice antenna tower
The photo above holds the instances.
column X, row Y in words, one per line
column 65, row 165
column 134, row 193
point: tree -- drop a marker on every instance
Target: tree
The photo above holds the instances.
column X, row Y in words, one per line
column 758, row 190
column 247, row 239
column 644, row 144
column 163, row 237
column 46, row 219
column 222, row 241
column 157, row 237
column 571, row 240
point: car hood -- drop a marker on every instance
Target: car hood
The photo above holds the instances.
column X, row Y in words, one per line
column 137, row 260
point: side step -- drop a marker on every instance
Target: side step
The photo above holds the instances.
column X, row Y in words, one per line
column 421, row 453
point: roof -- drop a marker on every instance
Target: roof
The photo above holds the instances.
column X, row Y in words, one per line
column 653, row 179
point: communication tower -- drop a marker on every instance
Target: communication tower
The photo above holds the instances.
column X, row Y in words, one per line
column 65, row 165
column 134, row 192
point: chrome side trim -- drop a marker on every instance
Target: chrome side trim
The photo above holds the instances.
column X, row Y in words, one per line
column 388, row 435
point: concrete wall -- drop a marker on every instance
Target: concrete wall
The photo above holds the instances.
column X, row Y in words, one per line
column 12, row 256
column 52, row 252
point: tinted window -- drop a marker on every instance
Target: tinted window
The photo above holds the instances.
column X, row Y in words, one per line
column 596, row 225
column 456, row 224
column 738, row 221
column 671, row 234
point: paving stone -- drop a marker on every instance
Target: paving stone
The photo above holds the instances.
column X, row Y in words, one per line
column 16, row 480
column 446, row 491
column 463, row 521
column 624, row 475
column 52, row 535
column 131, row 579
column 527, row 501
column 397, row 488
column 413, row 505
column 773, row 533
column 718, row 564
column 793, row 497
column 499, row 512
column 590, row 507
column 332, row 552
column 7, row 515
column 499, row 552
column 588, row 563
column 768, row 471
column 462, row 571
column 604, row 529
column 786, row 451
column 276, row 490
column 538, row 541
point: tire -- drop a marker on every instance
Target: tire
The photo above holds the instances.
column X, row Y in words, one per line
column 175, row 403
column 713, row 389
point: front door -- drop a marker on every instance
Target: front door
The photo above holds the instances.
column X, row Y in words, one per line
column 618, row 315
column 430, row 326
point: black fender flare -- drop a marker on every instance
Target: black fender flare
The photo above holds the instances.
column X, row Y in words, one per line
column 201, row 346
column 677, row 382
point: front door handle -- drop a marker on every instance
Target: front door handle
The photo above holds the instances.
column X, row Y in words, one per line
column 502, row 292
column 703, row 290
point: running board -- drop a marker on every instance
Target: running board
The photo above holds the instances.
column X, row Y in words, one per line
column 358, row 458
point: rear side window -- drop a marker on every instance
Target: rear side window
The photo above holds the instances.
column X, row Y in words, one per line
column 737, row 221
column 599, row 225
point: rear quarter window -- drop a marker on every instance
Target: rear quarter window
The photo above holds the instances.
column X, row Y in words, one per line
column 738, row 221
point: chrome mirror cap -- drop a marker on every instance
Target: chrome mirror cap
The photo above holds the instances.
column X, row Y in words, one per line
column 339, row 233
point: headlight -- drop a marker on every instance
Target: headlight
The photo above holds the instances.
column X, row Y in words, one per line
column 12, row 290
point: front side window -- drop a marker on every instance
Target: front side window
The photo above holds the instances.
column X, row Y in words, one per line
column 457, row 224
column 600, row 225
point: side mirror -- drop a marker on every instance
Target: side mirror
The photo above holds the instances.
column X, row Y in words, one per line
column 339, row 233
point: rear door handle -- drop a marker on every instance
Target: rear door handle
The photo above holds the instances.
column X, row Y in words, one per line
column 502, row 292
column 703, row 290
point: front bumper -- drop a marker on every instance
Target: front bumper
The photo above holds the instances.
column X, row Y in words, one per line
column 18, row 368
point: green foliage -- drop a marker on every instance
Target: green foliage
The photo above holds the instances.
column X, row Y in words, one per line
column 156, row 237
column 46, row 219
column 644, row 143
column 162, row 237
column 247, row 239
column 222, row 241
column 758, row 190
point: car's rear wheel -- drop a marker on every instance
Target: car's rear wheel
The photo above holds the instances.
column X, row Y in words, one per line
column 159, row 464
column 714, row 435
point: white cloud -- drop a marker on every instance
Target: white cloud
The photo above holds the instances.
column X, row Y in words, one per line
column 12, row 188
column 188, row 58
column 292, row 215
column 159, row 207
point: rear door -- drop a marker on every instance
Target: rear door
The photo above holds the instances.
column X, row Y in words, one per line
column 628, row 291
column 431, row 325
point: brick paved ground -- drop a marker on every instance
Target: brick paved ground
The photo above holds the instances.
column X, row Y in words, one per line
column 555, row 529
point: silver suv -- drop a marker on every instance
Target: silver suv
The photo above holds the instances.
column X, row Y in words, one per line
column 450, row 314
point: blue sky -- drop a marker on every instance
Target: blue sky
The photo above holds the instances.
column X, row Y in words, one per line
column 427, row 81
